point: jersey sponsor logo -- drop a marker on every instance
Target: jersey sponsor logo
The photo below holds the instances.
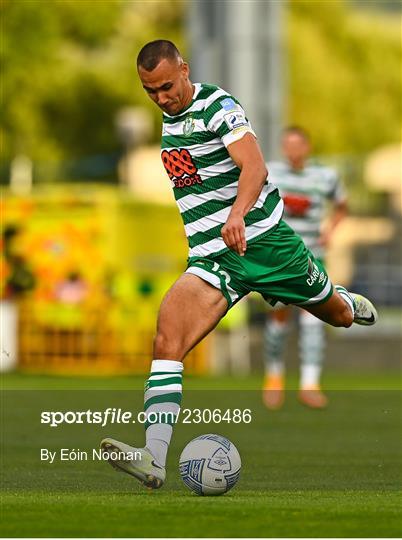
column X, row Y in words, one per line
column 296, row 205
column 180, row 167
column 188, row 126
column 314, row 274
column 235, row 120
column 228, row 104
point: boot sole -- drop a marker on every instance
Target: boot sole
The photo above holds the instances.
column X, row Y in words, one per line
column 148, row 480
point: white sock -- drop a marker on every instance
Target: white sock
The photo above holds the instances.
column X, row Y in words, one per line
column 163, row 393
column 347, row 297
column 275, row 334
column 311, row 347
column 310, row 376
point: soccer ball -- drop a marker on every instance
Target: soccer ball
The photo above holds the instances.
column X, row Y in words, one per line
column 210, row 465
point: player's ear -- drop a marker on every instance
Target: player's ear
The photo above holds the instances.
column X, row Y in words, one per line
column 185, row 69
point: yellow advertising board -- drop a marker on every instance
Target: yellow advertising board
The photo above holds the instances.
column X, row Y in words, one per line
column 102, row 261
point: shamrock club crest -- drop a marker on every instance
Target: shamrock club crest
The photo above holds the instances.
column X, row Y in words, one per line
column 188, row 126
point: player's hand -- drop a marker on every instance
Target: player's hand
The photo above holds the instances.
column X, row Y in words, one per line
column 324, row 239
column 234, row 234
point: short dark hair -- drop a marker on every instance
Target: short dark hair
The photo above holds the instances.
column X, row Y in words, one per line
column 155, row 51
column 298, row 130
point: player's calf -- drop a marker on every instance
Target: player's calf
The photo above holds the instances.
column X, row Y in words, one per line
column 335, row 311
column 345, row 308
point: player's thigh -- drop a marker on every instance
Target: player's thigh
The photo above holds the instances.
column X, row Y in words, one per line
column 189, row 311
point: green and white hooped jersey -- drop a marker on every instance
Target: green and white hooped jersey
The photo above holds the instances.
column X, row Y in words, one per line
column 305, row 194
column 203, row 175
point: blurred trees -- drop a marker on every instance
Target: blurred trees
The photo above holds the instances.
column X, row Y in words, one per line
column 344, row 75
column 69, row 65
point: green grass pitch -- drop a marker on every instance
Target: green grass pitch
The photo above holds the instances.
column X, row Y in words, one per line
column 333, row 473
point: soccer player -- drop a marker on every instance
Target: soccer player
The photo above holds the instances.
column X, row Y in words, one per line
column 305, row 189
column 238, row 242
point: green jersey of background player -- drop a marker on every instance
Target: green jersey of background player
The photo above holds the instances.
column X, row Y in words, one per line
column 305, row 188
column 237, row 240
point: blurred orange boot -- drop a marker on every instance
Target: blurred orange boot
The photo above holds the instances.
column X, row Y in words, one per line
column 273, row 394
column 313, row 397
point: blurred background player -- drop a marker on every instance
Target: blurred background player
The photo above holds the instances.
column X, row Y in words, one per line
column 306, row 188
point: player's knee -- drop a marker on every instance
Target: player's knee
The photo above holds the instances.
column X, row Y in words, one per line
column 348, row 317
column 344, row 318
column 168, row 346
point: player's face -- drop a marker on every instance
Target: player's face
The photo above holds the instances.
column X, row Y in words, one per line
column 295, row 148
column 168, row 85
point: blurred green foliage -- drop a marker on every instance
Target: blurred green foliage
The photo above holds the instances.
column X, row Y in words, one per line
column 344, row 75
column 69, row 65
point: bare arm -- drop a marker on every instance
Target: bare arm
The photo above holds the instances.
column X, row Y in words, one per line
column 339, row 212
column 247, row 155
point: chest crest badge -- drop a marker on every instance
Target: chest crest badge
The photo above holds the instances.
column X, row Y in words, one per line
column 188, row 126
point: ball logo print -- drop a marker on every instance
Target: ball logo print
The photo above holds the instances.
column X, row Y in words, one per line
column 210, row 465
column 220, row 461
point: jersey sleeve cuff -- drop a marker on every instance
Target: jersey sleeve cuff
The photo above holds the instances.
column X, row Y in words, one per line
column 237, row 134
